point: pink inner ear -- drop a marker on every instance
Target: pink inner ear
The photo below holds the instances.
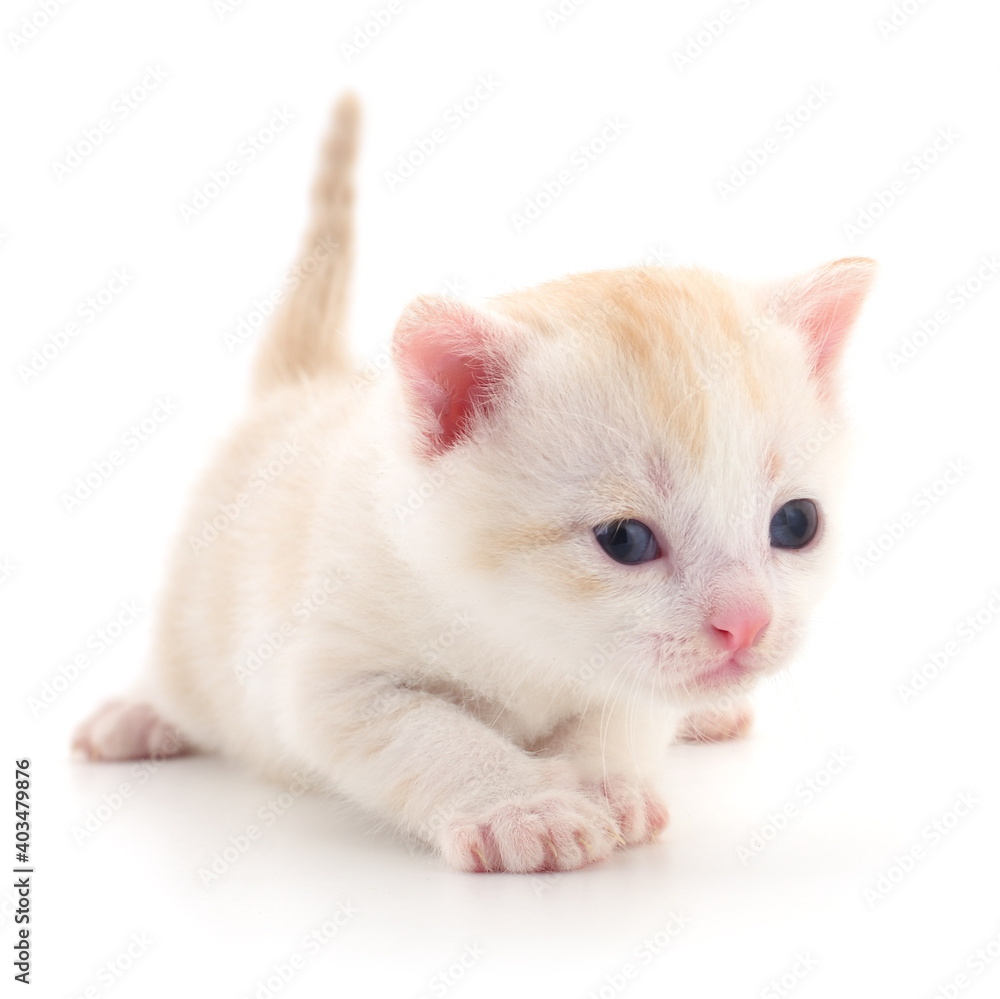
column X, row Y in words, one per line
column 825, row 304
column 448, row 356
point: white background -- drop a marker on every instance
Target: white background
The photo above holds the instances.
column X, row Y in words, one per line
column 653, row 192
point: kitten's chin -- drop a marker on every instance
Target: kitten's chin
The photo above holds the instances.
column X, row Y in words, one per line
column 735, row 671
column 734, row 676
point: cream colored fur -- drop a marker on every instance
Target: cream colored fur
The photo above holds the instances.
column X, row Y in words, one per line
column 437, row 634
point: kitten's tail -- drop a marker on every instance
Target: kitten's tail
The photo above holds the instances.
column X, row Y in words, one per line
column 306, row 338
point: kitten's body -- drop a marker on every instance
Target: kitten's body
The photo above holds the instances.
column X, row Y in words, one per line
column 395, row 586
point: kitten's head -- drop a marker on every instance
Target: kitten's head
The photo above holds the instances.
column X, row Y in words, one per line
column 632, row 473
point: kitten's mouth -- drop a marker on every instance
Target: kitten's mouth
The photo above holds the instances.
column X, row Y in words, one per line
column 731, row 671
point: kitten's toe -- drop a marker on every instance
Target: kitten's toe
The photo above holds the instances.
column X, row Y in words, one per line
column 716, row 724
column 127, row 730
column 556, row 832
column 639, row 814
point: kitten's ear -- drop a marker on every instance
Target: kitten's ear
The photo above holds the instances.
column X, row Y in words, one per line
column 453, row 360
column 824, row 304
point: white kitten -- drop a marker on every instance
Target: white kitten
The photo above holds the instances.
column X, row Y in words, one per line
column 479, row 593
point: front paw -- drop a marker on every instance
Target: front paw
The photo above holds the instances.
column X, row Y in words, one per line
column 559, row 831
column 638, row 813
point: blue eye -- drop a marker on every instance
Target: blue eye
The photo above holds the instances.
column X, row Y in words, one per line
column 794, row 525
column 628, row 541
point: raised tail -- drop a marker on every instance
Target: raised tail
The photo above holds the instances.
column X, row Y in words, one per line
column 307, row 339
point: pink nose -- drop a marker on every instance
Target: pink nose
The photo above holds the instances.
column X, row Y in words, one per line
column 738, row 628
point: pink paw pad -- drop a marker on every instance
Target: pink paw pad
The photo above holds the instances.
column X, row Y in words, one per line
column 127, row 730
column 557, row 833
column 639, row 814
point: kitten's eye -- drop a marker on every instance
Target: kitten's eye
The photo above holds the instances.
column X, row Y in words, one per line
column 628, row 541
column 794, row 525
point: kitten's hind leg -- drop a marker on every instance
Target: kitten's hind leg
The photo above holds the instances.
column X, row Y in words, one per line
column 127, row 730
column 717, row 724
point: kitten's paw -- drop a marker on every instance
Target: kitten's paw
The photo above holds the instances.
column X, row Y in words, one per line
column 557, row 832
column 127, row 730
column 639, row 814
column 716, row 724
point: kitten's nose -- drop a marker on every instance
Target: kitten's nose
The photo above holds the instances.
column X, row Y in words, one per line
column 738, row 628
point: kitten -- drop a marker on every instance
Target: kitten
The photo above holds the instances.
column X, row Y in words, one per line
column 480, row 593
